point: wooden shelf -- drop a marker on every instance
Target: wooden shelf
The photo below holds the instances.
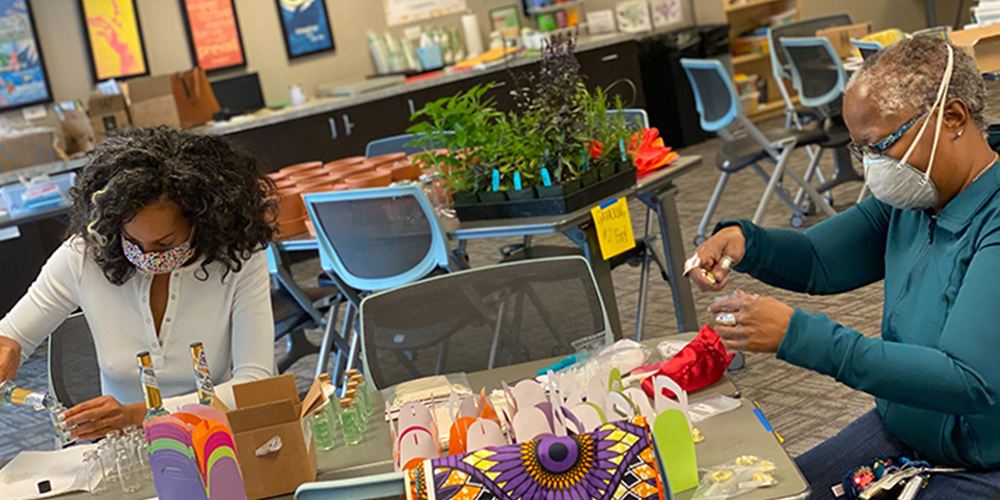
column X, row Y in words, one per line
column 766, row 111
column 747, row 58
column 556, row 7
column 750, row 4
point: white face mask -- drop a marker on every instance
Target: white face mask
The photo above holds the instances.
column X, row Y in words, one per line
column 896, row 182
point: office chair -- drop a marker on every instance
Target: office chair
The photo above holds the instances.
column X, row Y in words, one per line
column 374, row 239
column 866, row 48
column 719, row 107
column 819, row 77
column 74, row 375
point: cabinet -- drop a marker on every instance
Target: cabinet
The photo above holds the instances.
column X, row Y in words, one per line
column 607, row 65
column 347, row 132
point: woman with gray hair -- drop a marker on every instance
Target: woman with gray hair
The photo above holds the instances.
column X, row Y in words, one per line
column 932, row 233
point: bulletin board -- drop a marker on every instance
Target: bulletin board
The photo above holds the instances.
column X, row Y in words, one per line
column 407, row 11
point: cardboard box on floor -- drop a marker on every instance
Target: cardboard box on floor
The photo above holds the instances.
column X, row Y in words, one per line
column 983, row 44
column 840, row 37
column 108, row 115
column 151, row 102
column 269, row 418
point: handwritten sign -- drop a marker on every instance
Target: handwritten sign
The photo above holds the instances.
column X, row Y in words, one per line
column 214, row 33
column 614, row 227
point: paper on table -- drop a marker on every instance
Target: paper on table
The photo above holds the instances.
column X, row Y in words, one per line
column 62, row 468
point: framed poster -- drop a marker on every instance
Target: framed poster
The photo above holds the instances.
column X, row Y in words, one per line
column 305, row 26
column 23, row 81
column 114, row 39
column 506, row 21
column 213, row 34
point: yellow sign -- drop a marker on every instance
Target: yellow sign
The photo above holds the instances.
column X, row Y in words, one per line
column 614, row 227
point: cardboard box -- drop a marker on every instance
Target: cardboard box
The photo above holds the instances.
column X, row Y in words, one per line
column 983, row 44
column 840, row 37
column 108, row 115
column 33, row 148
column 267, row 411
column 151, row 102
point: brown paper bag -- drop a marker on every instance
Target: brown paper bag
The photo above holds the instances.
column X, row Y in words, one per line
column 196, row 101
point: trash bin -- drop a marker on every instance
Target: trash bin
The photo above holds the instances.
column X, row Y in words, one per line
column 669, row 99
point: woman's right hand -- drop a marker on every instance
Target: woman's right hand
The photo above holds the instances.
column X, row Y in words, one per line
column 10, row 358
column 716, row 257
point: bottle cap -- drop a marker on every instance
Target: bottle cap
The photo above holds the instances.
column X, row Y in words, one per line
column 345, row 402
column 351, row 394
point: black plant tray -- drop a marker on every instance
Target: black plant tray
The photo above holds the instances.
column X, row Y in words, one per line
column 540, row 207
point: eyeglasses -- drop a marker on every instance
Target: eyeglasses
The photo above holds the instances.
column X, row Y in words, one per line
column 881, row 146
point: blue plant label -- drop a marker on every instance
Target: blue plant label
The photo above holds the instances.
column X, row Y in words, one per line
column 496, row 180
column 546, row 179
column 517, row 180
column 621, row 146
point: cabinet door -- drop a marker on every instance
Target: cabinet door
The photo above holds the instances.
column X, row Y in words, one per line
column 607, row 65
column 358, row 125
column 287, row 143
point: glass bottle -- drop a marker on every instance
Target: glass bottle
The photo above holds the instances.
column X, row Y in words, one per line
column 93, row 471
column 321, row 430
column 106, row 451
column 366, row 397
column 137, row 441
column 333, row 405
column 10, row 394
column 350, row 422
column 62, row 433
column 202, row 377
column 128, row 476
column 154, row 403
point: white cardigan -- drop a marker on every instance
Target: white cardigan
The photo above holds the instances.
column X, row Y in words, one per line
column 232, row 319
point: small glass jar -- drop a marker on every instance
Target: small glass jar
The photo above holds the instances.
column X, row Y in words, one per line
column 106, row 451
column 128, row 476
column 93, row 471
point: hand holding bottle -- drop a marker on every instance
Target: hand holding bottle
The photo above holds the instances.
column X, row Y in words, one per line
column 10, row 358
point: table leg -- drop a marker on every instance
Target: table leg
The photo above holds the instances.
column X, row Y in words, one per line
column 586, row 238
column 665, row 206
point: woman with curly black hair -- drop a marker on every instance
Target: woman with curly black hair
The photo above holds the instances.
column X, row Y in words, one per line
column 164, row 249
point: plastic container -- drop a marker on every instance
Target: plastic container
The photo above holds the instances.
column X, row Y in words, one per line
column 40, row 194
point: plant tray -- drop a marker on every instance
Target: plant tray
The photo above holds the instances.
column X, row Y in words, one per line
column 541, row 207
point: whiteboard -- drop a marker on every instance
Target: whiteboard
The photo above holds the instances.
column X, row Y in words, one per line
column 407, row 11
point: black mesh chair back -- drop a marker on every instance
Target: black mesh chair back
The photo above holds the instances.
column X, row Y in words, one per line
column 805, row 28
column 378, row 238
column 820, row 80
column 74, row 374
column 481, row 318
column 866, row 53
column 715, row 96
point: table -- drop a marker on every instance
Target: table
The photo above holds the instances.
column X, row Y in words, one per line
column 727, row 436
column 656, row 191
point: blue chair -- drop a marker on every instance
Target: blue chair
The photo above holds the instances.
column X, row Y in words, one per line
column 779, row 60
column 375, row 239
column 719, row 107
column 636, row 118
column 395, row 144
column 866, row 48
column 819, row 77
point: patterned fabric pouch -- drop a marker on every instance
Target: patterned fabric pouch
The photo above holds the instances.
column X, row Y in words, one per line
column 614, row 462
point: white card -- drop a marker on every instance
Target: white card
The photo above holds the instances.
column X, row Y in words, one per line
column 639, row 398
column 666, row 12
column 482, row 434
column 588, row 416
column 528, row 393
column 618, row 407
column 663, row 403
column 416, row 443
column 530, row 423
column 600, row 22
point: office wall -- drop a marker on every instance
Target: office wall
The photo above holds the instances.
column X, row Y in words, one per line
column 908, row 15
column 62, row 39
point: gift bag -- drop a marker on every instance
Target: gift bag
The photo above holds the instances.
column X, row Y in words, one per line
column 615, row 461
column 196, row 102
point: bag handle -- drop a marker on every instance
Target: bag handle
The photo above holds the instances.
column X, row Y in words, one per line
column 191, row 93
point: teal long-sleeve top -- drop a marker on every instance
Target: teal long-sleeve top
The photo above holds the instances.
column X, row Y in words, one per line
column 935, row 373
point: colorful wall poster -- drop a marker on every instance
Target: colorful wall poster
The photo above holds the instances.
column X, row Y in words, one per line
column 666, row 12
column 506, row 21
column 407, row 11
column 214, row 34
column 23, row 81
column 114, row 39
column 306, row 27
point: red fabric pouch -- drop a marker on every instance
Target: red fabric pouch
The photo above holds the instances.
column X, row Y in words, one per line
column 699, row 364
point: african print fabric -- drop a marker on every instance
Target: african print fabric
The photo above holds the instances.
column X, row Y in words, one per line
column 615, row 462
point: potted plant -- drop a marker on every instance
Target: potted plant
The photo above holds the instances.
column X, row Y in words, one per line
column 463, row 125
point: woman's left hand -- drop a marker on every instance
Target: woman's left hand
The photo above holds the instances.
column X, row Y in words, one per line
column 101, row 415
column 760, row 322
